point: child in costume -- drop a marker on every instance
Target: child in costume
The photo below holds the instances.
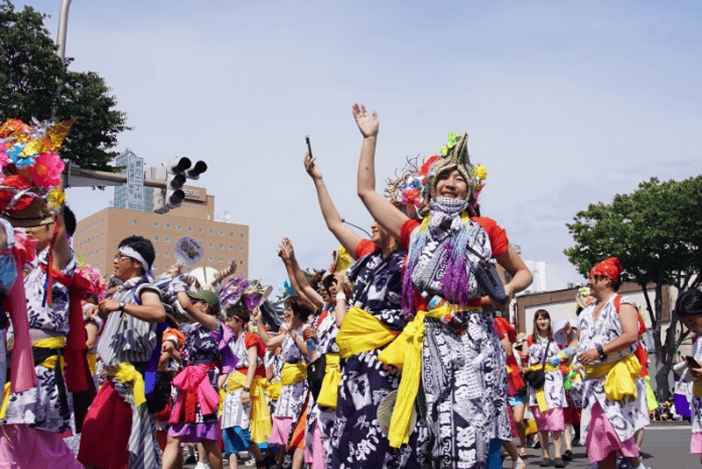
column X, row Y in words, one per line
column 246, row 421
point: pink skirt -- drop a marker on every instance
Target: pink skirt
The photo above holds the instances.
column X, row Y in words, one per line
column 315, row 454
column 22, row 447
column 551, row 421
column 696, row 443
column 601, row 439
column 280, row 433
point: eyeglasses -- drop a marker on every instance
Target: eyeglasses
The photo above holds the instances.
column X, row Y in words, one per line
column 119, row 257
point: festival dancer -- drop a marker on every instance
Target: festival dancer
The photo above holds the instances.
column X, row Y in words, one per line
column 688, row 308
column 293, row 376
column 614, row 397
column 194, row 414
column 451, row 342
column 245, row 416
column 33, row 420
column 126, row 347
column 548, row 401
column 375, row 303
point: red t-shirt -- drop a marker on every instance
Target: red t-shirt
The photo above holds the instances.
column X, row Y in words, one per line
column 498, row 241
column 365, row 247
column 497, row 235
column 253, row 340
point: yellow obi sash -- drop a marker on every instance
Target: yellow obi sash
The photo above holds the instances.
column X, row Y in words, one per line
column 50, row 363
column 329, row 391
column 621, row 377
column 539, row 393
column 293, row 373
column 126, row 374
column 260, row 415
column 361, row 332
column 696, row 388
column 92, row 362
column 406, row 353
column 274, row 390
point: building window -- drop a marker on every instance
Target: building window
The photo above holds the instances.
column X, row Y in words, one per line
column 154, row 267
column 231, row 248
column 221, row 260
column 155, row 224
column 200, row 230
column 241, row 262
column 211, row 245
column 155, row 239
column 168, row 226
column 241, row 235
column 231, row 234
column 168, row 240
column 241, row 248
column 221, row 233
column 209, row 259
column 167, row 254
column 178, row 227
column 221, row 246
column 190, row 229
column 211, row 232
column 134, row 222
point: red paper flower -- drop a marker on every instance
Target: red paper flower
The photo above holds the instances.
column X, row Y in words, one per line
column 46, row 171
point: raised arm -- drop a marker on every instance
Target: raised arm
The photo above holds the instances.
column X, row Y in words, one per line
column 207, row 320
column 346, row 236
column 268, row 340
column 297, row 277
column 385, row 213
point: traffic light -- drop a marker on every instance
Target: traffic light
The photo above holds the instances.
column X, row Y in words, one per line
column 175, row 173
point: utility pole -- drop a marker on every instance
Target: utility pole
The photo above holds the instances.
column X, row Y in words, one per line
column 62, row 28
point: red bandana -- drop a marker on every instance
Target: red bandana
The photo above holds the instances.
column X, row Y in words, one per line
column 610, row 268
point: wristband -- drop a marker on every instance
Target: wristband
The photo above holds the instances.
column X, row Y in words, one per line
column 341, row 296
column 600, row 350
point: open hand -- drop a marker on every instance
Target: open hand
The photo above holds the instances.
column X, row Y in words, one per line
column 368, row 125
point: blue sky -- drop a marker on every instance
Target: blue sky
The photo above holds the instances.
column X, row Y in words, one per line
column 566, row 103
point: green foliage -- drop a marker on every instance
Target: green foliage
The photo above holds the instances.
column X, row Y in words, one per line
column 656, row 232
column 36, row 83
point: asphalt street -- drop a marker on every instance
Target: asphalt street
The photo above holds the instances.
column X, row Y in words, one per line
column 666, row 446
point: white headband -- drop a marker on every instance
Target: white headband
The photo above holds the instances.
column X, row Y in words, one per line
column 131, row 252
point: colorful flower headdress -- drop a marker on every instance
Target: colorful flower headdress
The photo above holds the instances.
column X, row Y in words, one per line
column 250, row 292
column 30, row 188
column 414, row 185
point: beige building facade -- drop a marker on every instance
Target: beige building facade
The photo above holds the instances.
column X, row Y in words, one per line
column 98, row 235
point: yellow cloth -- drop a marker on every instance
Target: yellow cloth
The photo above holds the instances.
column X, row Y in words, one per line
column 329, row 392
column 406, row 353
column 260, row 415
column 274, row 390
column 539, row 393
column 621, row 377
column 696, row 388
column 651, row 400
column 293, row 373
column 92, row 362
column 126, row 373
column 362, row 332
column 50, row 363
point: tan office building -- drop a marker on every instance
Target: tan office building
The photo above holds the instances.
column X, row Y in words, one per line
column 98, row 235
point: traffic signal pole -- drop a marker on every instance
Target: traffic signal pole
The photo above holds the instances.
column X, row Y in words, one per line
column 79, row 177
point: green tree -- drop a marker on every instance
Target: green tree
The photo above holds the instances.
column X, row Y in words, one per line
column 36, row 83
column 656, row 232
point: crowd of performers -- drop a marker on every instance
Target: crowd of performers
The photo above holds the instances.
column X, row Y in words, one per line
column 397, row 356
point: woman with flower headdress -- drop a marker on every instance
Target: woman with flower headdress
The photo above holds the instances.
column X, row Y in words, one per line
column 451, row 343
column 32, row 418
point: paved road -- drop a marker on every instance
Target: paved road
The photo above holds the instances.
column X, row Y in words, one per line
column 666, row 446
